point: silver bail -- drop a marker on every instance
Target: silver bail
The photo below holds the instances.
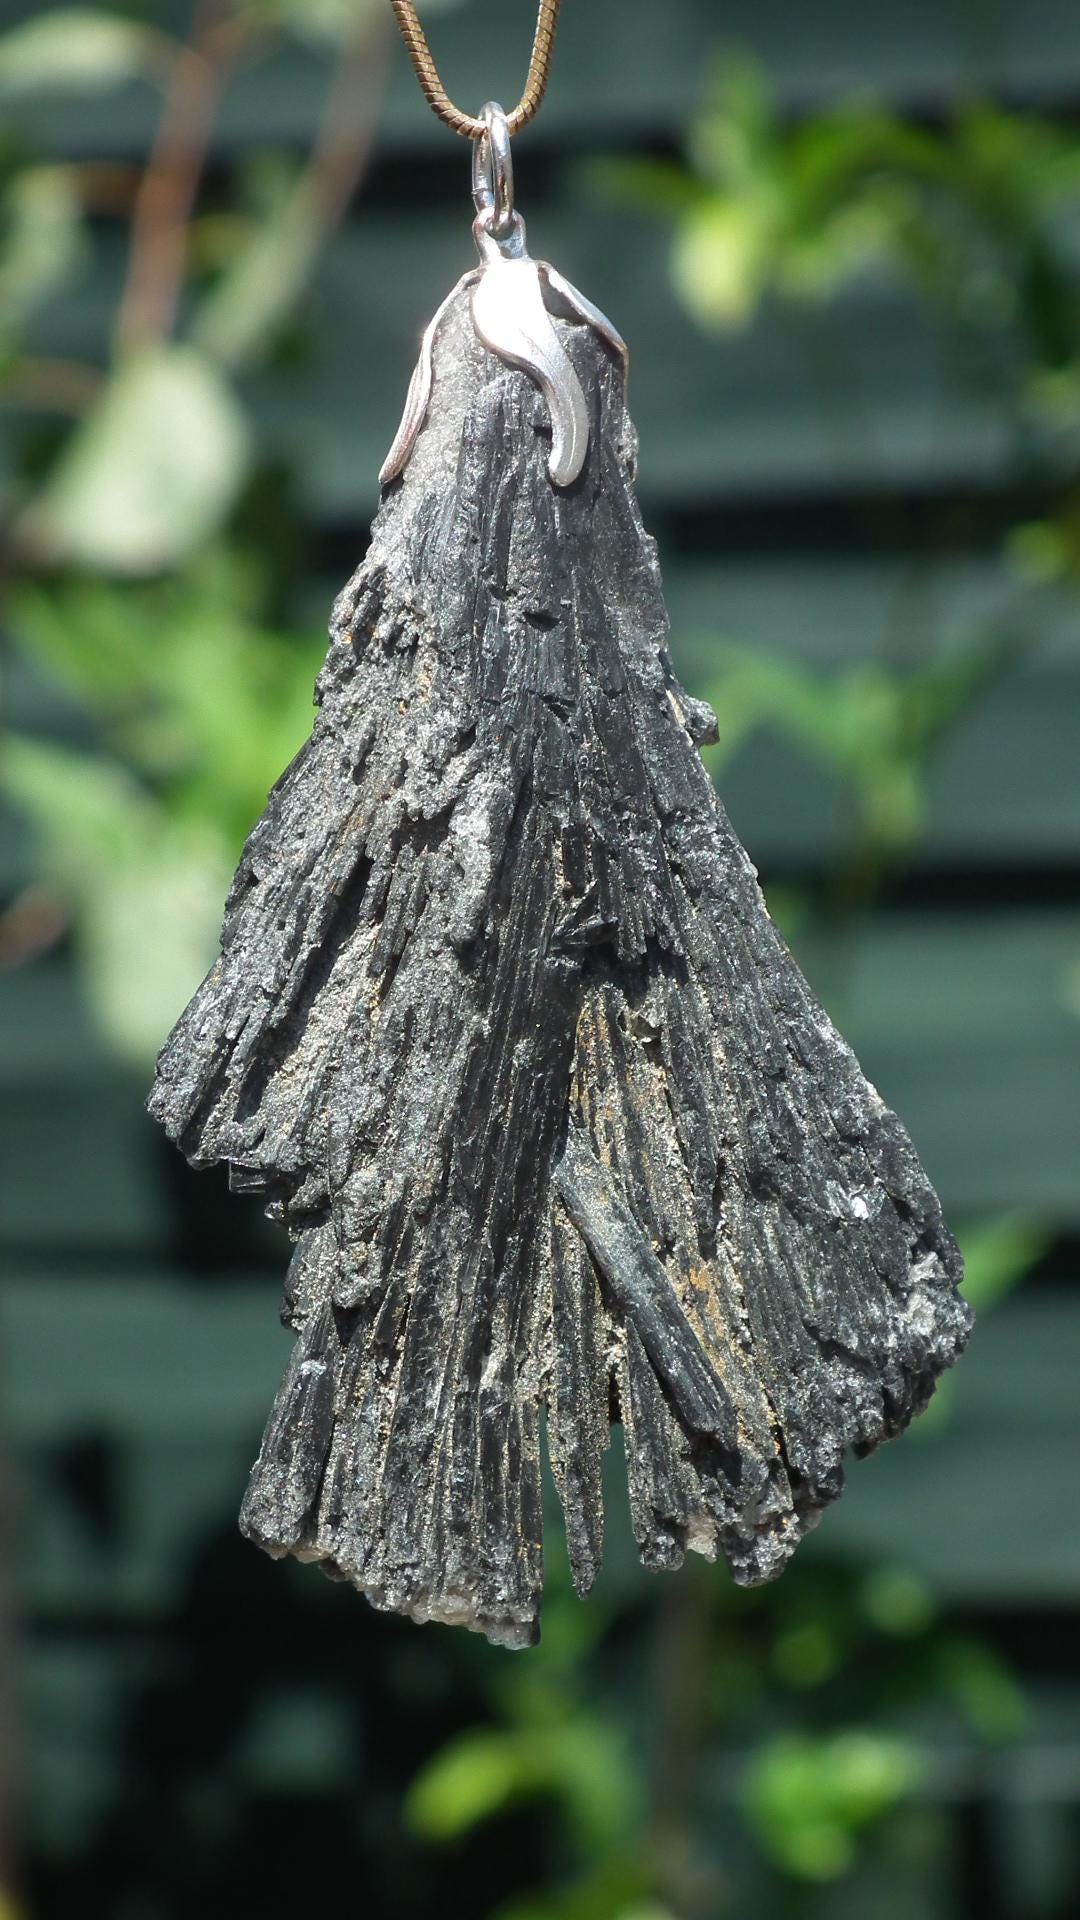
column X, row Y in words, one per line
column 493, row 172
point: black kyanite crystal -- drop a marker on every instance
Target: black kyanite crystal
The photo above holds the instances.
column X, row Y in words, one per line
column 503, row 1030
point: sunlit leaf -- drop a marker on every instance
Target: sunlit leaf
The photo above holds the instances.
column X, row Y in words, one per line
column 185, row 686
column 834, row 252
column 150, row 935
column 330, row 21
column 91, row 639
column 721, row 261
column 88, row 811
column 150, row 473
column 237, row 320
column 76, row 50
column 577, row 1761
column 809, row 1799
column 735, row 142
column 471, row 1779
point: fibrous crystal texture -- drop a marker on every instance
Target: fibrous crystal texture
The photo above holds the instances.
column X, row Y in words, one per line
column 504, row 1032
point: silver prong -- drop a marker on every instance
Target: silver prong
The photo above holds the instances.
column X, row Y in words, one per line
column 510, row 316
column 577, row 306
column 419, row 394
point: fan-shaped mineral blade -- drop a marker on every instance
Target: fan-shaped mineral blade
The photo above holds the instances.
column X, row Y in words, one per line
column 503, row 1028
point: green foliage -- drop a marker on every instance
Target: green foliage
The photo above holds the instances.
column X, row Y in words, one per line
column 197, row 707
column 328, row 22
column 41, row 243
column 578, row 1763
column 151, row 471
column 553, row 1744
column 616, row 1890
column 998, row 1254
column 874, row 729
column 804, row 209
column 822, row 1683
column 1047, row 552
column 188, row 687
column 78, row 51
column 318, row 20
column 809, row 1799
column 969, row 219
column 271, row 256
column 196, row 700
column 973, row 218
column 146, row 886
column 974, row 1677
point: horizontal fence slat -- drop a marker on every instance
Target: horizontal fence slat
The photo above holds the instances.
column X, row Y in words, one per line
column 866, row 399
column 165, row 1385
column 1000, row 790
column 965, row 1021
column 618, row 76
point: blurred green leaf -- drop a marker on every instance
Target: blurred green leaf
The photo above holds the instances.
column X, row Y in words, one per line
column 998, row 1254
column 199, row 707
column 472, row 1778
column 89, row 812
column 619, row 1888
column 148, row 888
column 873, row 728
column 655, row 186
column 806, row 1655
column 736, row 142
column 1047, row 552
column 237, row 319
column 150, row 933
column 963, row 212
column 723, row 255
column 150, row 473
column 581, row 1763
column 41, row 240
column 318, row 20
column 897, row 1601
column 189, row 689
column 809, row 1799
column 92, row 638
column 76, row 50
column 330, row 21
column 988, row 1695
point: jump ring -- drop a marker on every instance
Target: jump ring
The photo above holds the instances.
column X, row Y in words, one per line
column 493, row 170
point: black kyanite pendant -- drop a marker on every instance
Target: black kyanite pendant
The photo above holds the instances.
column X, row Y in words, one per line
column 503, row 1030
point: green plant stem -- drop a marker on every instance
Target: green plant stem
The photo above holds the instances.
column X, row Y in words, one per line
column 349, row 121
column 685, row 1880
column 237, row 319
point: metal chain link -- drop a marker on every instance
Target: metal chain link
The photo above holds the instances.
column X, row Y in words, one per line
column 468, row 124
